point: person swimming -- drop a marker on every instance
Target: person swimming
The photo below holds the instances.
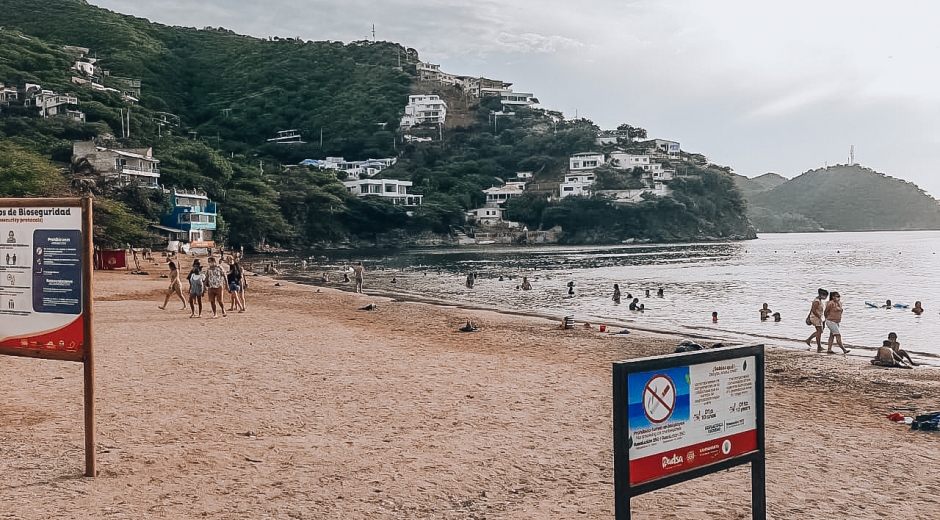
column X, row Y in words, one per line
column 776, row 316
column 918, row 310
column 765, row 312
column 634, row 305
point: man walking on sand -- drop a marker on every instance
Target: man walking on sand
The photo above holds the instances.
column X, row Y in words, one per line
column 215, row 280
column 357, row 269
column 833, row 315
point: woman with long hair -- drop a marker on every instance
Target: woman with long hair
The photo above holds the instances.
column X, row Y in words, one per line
column 176, row 287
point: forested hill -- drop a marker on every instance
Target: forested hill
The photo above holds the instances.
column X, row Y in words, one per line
column 234, row 88
column 210, row 99
column 843, row 198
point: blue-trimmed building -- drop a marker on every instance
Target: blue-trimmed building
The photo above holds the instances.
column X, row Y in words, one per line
column 193, row 219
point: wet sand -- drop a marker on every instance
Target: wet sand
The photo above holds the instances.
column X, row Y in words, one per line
column 305, row 407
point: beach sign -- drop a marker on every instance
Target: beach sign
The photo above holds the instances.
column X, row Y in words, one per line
column 682, row 416
column 46, row 266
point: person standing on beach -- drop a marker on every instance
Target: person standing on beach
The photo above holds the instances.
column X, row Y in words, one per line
column 234, row 279
column 197, row 287
column 215, row 280
column 815, row 319
column 616, row 297
column 833, row 316
column 357, row 270
column 176, row 287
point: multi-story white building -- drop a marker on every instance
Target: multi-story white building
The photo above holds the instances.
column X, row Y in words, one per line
column 133, row 166
column 576, row 184
column 429, row 108
column 665, row 148
column 585, row 161
column 354, row 169
column 496, row 198
column 51, row 104
column 393, row 189
column 508, row 97
column 499, row 195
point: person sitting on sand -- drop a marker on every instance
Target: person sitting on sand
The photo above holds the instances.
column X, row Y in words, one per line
column 616, row 297
column 765, row 312
column 896, row 347
column 469, row 327
column 885, row 357
column 918, row 310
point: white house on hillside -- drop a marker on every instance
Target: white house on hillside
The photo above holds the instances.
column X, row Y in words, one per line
column 576, row 184
column 393, row 189
column 585, row 161
column 428, row 108
column 133, row 166
column 496, row 198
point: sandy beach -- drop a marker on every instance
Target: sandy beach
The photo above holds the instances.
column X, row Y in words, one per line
column 305, row 407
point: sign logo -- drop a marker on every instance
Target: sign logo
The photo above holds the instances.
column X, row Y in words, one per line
column 726, row 447
column 659, row 398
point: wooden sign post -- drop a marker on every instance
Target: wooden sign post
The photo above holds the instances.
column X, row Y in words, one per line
column 46, row 270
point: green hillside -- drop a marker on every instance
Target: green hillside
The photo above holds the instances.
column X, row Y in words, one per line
column 210, row 99
column 844, row 198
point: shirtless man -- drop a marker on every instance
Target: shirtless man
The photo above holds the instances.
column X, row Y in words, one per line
column 765, row 312
column 357, row 269
column 833, row 316
column 896, row 347
column 885, row 357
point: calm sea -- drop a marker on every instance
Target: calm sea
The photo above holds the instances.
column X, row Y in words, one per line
column 733, row 279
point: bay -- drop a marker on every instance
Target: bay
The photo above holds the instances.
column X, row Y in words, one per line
column 731, row 278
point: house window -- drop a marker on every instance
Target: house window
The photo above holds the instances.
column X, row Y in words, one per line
column 568, row 188
column 576, row 165
column 588, row 164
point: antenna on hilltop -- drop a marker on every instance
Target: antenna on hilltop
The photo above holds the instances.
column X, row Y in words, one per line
column 852, row 155
column 373, row 32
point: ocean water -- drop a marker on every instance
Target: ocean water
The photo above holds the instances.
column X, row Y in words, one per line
column 731, row 278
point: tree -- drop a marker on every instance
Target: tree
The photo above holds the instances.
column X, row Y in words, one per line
column 26, row 174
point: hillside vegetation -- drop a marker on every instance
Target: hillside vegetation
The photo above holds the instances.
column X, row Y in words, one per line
column 844, row 198
column 226, row 94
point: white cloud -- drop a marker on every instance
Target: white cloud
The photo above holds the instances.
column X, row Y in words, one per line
column 776, row 85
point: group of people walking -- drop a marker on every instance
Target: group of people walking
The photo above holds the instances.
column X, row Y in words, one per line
column 211, row 282
column 826, row 314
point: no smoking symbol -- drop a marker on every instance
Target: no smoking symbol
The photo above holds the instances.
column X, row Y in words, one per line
column 659, row 398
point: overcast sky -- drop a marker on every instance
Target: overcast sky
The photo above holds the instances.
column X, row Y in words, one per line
column 761, row 86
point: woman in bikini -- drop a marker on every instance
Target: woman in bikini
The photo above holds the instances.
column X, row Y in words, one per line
column 176, row 287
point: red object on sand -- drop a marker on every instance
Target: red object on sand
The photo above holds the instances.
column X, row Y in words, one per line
column 896, row 417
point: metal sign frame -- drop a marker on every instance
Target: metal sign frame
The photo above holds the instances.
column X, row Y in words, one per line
column 623, row 490
column 87, row 353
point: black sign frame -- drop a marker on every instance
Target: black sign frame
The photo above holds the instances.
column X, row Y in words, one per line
column 623, row 491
